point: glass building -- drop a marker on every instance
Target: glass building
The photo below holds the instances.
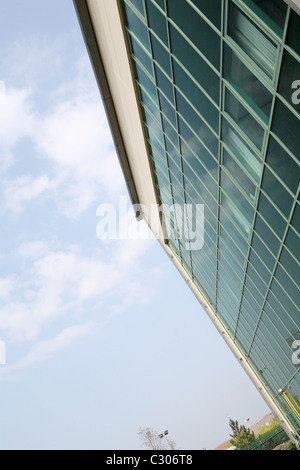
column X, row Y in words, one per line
column 214, row 89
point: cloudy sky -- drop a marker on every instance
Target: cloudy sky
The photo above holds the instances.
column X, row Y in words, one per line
column 101, row 337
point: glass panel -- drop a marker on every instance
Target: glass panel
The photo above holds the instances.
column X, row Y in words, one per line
column 277, row 193
column 149, row 103
column 233, row 232
column 138, row 5
column 136, row 25
column 212, row 10
column 197, row 147
column 244, row 119
column 161, row 55
column 168, row 110
column 287, row 126
column 289, row 84
column 274, row 10
column 247, row 84
column 260, row 267
column 197, row 67
column 251, row 39
column 236, row 215
column 141, row 55
column 290, row 264
column 157, row 22
column 292, row 242
column 197, row 124
column 261, row 250
column 288, row 285
column 146, row 82
column 284, row 165
column 232, row 246
column 266, row 235
column 239, row 175
column 164, row 83
column 196, row 29
column 248, row 159
column 236, row 197
column 196, row 97
column 293, row 32
column 271, row 215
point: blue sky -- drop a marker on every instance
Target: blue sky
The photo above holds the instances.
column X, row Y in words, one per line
column 102, row 337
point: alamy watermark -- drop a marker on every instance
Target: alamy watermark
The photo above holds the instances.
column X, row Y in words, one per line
column 2, row 92
column 296, row 94
column 296, row 353
column 181, row 222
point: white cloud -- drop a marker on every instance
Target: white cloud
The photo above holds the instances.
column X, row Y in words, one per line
column 46, row 349
column 26, row 189
column 64, row 284
column 73, row 136
column 17, row 120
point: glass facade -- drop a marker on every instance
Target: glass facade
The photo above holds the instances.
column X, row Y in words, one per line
column 217, row 87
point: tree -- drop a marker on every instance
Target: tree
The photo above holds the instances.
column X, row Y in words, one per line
column 155, row 441
column 241, row 436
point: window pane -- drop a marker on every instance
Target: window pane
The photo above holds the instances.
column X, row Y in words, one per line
column 211, row 9
column 252, row 40
column 157, row 22
column 293, row 32
column 236, row 215
column 274, row 10
column 239, row 175
column 271, row 215
column 247, row 84
column 236, row 197
column 161, row 55
column 136, row 25
column 284, row 165
column 287, row 126
column 277, row 192
column 196, row 29
column 197, row 147
column 192, row 61
column 244, row 119
column 248, row 159
column 267, row 236
column 196, row 97
column 197, row 124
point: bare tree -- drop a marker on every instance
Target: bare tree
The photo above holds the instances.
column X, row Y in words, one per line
column 155, row 441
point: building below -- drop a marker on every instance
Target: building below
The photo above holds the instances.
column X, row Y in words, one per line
column 203, row 101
